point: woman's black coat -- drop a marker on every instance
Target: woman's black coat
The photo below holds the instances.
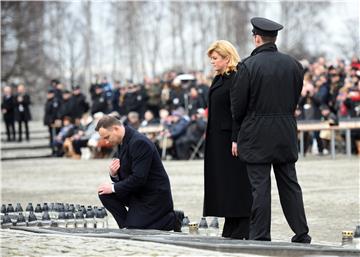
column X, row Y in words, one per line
column 227, row 188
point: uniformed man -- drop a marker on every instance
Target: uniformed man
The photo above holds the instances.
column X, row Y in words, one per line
column 99, row 103
column 263, row 100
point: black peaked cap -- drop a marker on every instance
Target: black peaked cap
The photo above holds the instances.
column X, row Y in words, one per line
column 265, row 27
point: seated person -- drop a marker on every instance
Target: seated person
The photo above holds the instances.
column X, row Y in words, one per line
column 332, row 119
column 83, row 135
column 66, row 131
column 149, row 119
column 140, row 181
column 148, row 122
column 194, row 132
column 133, row 120
column 176, row 129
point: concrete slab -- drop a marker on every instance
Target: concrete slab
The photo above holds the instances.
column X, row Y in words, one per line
column 204, row 242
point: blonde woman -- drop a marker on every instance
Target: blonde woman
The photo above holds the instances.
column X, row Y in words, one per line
column 227, row 190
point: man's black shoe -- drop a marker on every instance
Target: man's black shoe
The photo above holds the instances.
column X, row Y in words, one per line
column 179, row 216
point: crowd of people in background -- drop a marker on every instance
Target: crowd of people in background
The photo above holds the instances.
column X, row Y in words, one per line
column 331, row 92
column 15, row 107
column 171, row 109
column 174, row 106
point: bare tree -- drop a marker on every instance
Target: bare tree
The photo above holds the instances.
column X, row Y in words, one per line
column 117, row 36
column 87, row 42
column 178, row 19
column 352, row 32
column 74, row 53
column 153, row 32
column 301, row 18
column 22, row 39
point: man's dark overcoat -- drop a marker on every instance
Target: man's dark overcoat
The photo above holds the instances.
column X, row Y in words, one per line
column 143, row 183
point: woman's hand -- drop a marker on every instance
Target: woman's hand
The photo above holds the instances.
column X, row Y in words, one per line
column 234, row 149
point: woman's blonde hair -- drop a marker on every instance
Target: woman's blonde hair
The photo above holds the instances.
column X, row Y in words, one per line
column 225, row 49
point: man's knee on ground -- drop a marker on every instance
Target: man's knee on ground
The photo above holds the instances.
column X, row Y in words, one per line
column 104, row 198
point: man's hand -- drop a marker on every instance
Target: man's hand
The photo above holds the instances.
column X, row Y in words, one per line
column 234, row 149
column 105, row 188
column 114, row 167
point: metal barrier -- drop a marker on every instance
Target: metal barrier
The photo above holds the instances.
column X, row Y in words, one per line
column 346, row 125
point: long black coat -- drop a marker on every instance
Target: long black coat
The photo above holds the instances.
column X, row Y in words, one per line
column 67, row 108
column 264, row 97
column 80, row 105
column 22, row 108
column 142, row 180
column 52, row 108
column 8, row 104
column 99, row 104
column 227, row 188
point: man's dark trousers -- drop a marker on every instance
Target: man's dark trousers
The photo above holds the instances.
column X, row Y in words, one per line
column 139, row 212
column 290, row 198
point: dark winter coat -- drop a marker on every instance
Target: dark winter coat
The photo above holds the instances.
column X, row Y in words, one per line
column 8, row 105
column 80, row 105
column 52, row 107
column 195, row 103
column 143, row 180
column 66, row 109
column 22, row 108
column 177, row 98
column 99, row 104
column 227, row 188
column 178, row 129
column 264, row 98
column 135, row 102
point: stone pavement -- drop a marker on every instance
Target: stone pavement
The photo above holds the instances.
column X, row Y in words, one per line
column 330, row 190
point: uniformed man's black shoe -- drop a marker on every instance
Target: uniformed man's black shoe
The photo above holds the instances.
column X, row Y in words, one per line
column 179, row 216
column 304, row 239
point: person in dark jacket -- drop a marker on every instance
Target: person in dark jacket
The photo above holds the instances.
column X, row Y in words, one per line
column 177, row 95
column 80, row 105
column 263, row 101
column 227, row 188
column 67, row 106
column 8, row 111
column 52, row 107
column 139, row 180
column 194, row 133
column 195, row 101
column 22, row 111
column 99, row 103
column 135, row 100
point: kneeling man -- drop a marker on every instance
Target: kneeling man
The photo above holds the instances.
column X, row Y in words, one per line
column 140, row 195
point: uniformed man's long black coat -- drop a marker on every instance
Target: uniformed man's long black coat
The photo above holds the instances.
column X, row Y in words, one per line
column 227, row 189
column 264, row 97
column 143, row 181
